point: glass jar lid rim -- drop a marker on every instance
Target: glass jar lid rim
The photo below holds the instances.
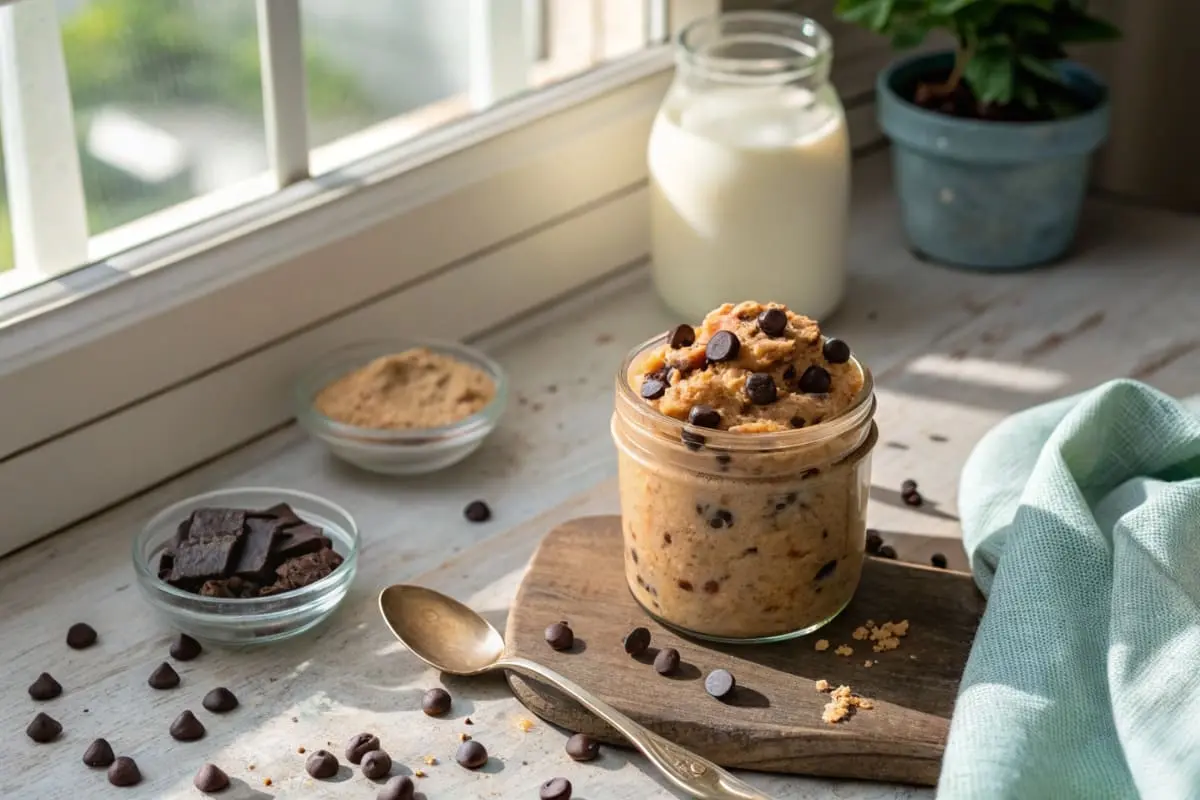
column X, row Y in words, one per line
column 801, row 46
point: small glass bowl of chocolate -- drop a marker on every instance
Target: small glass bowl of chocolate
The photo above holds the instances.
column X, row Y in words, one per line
column 247, row 566
column 401, row 407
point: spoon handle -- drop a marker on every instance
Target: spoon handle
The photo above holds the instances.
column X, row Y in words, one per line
column 697, row 776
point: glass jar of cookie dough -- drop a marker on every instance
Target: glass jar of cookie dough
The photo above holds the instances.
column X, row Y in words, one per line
column 744, row 456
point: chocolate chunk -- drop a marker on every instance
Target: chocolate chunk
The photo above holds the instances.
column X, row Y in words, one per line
column 704, row 417
column 359, row 745
column 815, row 380
column 99, row 754
column 163, row 677
column 45, row 687
column 721, row 518
column 653, row 388
column 694, row 441
column 719, row 683
column 398, row 788
column 582, row 747
column 220, row 701
column 826, row 570
column 560, row 636
column 81, row 635
column 712, row 587
column 874, row 542
column 204, row 557
column 912, row 498
column 436, row 702
column 887, row 551
column 283, row 513
column 836, row 351
column 216, row 522
column 166, row 563
column 555, row 789
column 376, row 765
column 216, row 589
column 723, row 346
column 211, row 779
column 938, row 560
column 667, row 661
column 636, row 641
column 909, row 485
column 185, row 648
column 258, row 551
column 306, row 569
column 477, row 511
column 682, row 336
column 44, row 728
column 796, row 422
column 298, row 540
column 684, row 585
column 773, row 322
column 323, row 764
column 124, row 772
column 186, row 728
column 471, row 754
column 760, row 388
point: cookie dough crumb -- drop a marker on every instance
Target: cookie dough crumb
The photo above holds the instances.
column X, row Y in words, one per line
column 418, row 773
column 844, row 650
column 430, row 760
column 267, row 781
column 860, row 633
column 300, row 750
column 525, row 724
column 464, row 737
column 843, row 703
column 822, row 644
column 822, row 685
column 887, row 636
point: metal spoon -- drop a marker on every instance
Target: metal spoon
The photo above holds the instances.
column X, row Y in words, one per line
column 452, row 638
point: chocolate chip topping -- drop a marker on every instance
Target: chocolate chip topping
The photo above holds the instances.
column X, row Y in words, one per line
column 815, row 380
column 398, row 788
column 773, row 322
column 81, row 635
column 653, row 388
column 477, row 511
column 555, row 789
column 186, row 728
column 471, row 754
column 836, row 351
column 45, row 687
column 760, row 388
column 163, row 677
column 359, row 745
column 636, row 641
column 99, row 754
column 667, row 661
column 210, row 779
column 704, row 417
column 938, row 560
column 581, row 747
column 560, row 636
column 719, row 683
column 185, row 648
column 887, row 551
column 321, row 764
column 220, row 701
column 124, row 772
column 682, row 336
column 376, row 765
column 723, row 346
column 44, row 728
column 436, row 702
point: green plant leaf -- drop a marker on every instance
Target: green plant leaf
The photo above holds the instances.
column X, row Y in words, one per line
column 1040, row 68
column 948, row 7
column 1084, row 28
column 908, row 35
column 991, row 76
column 873, row 14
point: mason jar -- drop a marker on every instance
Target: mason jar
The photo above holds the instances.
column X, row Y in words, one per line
column 741, row 537
column 749, row 162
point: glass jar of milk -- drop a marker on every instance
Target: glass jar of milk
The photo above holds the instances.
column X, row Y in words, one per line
column 750, row 169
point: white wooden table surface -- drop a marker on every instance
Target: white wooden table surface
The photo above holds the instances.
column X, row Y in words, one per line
column 952, row 353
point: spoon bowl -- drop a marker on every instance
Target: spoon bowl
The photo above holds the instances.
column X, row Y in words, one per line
column 441, row 631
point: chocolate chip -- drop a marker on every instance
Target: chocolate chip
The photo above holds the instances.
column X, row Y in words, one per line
column 398, row 788
column 719, row 683
column 211, row 779
column 99, row 754
column 477, row 511
column 321, row 764
column 693, row 440
column 362, row 743
column 163, row 677
column 376, row 765
column 636, row 641
column 682, row 336
column 938, row 560
column 124, row 772
column 559, row 636
column 826, row 570
column 773, row 322
column 887, row 551
column 721, row 519
column 912, row 498
column 789, row 374
column 909, row 485
column 44, row 728
column 471, row 754
column 684, row 585
column 815, row 380
column 186, row 728
column 435, row 702
column 723, row 346
column 874, row 542
column 836, row 351
column 81, row 635
column 653, row 388
column 185, row 648
column 724, row 460
column 796, row 422
column 555, row 789
column 220, row 701
column 667, row 661
column 45, row 687
column 712, row 587
column 703, row 416
column 581, row 747
column 760, row 388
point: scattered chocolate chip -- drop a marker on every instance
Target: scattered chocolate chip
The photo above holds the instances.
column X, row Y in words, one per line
column 773, row 322
column 99, row 754
column 719, row 683
column 124, row 772
column 684, row 585
column 693, row 440
column 435, row 702
column 653, row 388
column 44, row 728
column 667, row 661
column 636, row 641
column 704, row 417
column 938, row 560
column 796, row 422
column 81, row 635
column 185, row 648
column 477, row 511
column 220, row 700
column 186, row 728
column 836, row 351
column 874, row 542
column 723, row 346
column 581, row 747
column 471, row 754
column 682, row 336
column 321, row 764
column 887, row 551
column 724, row 459
column 211, row 779
column 826, row 570
column 362, row 743
column 760, row 388
column 721, row 519
column 912, row 498
column 163, row 677
column 398, row 788
column 559, row 636
column 909, row 485
column 45, row 687
column 376, row 765
column 815, row 380
column 555, row 789
column 712, row 587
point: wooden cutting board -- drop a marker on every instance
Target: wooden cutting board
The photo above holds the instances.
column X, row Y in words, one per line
column 774, row 722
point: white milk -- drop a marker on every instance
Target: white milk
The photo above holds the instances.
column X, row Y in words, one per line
column 749, row 197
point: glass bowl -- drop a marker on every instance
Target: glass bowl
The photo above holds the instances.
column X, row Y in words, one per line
column 255, row 620
column 397, row 452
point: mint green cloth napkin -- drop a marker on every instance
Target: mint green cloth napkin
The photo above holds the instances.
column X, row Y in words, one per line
column 1081, row 519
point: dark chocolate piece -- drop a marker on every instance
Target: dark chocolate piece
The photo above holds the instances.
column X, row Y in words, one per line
column 555, row 789
column 43, row 729
column 298, row 540
column 359, row 745
column 124, row 772
column 81, row 635
column 45, row 687
column 636, row 641
column 220, row 701
column 471, row 754
column 185, row 648
column 306, row 569
column 211, row 779
column 163, row 677
column 99, row 754
column 760, row 388
column 773, row 322
column 376, row 765
column 477, row 511
column 436, row 702
column 581, row 747
column 704, row 417
column 321, row 765
column 257, row 551
column 282, row 512
column 186, row 728
column 667, row 661
column 398, row 788
column 938, row 560
column 204, row 557
column 836, row 351
column 723, row 346
column 560, row 636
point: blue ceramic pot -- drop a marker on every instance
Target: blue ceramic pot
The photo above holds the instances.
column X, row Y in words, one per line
column 989, row 195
